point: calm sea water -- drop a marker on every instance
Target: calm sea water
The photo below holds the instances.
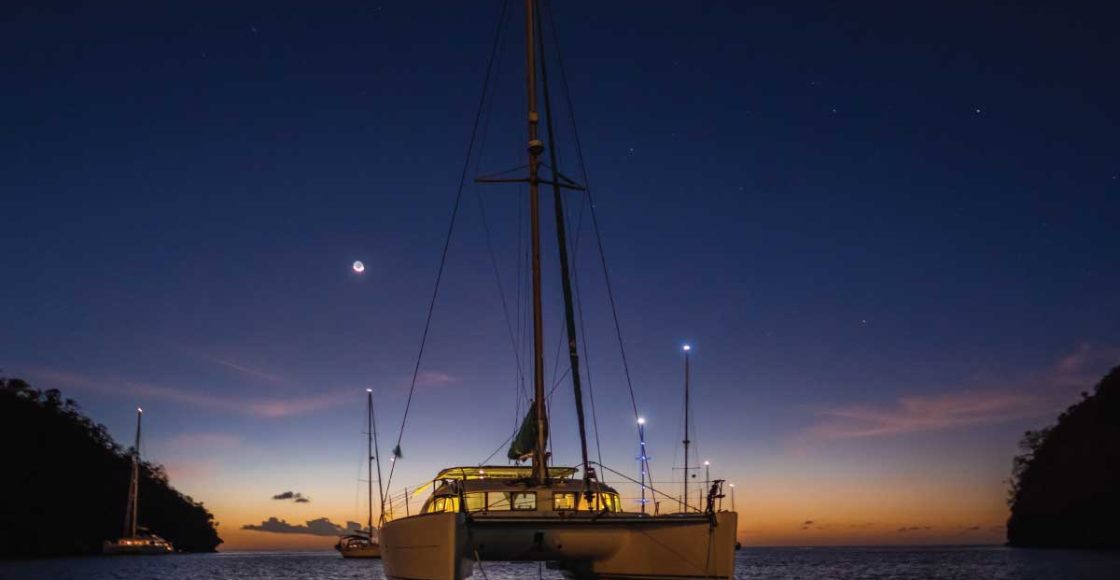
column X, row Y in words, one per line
column 926, row 563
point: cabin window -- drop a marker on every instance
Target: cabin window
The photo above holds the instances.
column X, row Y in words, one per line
column 563, row 501
column 497, row 501
column 525, row 500
column 444, row 504
column 611, row 501
column 476, row 501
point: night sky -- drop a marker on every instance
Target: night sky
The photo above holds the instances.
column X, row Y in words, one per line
column 888, row 231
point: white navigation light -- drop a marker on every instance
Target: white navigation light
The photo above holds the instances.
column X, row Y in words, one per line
column 369, row 390
column 641, row 420
column 687, row 348
column 359, row 267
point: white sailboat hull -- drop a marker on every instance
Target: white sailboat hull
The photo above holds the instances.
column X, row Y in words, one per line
column 373, row 551
column 677, row 546
column 145, row 546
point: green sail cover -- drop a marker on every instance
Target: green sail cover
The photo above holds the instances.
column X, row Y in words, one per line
column 526, row 439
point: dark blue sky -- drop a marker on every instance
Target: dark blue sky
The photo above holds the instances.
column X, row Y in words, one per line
column 842, row 206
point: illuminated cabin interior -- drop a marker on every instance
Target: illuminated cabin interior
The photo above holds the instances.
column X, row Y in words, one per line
column 507, row 490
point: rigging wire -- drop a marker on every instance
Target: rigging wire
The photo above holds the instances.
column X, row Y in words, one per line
column 591, row 202
column 450, row 231
column 489, row 107
column 599, row 243
column 583, row 330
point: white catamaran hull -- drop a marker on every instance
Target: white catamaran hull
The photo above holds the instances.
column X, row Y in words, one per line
column 443, row 546
column 426, row 547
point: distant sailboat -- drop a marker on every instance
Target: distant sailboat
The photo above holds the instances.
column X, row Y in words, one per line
column 136, row 541
column 363, row 544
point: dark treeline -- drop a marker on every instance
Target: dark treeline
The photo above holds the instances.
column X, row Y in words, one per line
column 1065, row 490
column 65, row 483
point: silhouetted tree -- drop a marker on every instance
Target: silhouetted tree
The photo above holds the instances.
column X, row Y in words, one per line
column 1065, row 486
column 65, row 483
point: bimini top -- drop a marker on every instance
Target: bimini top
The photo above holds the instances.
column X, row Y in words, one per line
column 497, row 472
column 501, row 472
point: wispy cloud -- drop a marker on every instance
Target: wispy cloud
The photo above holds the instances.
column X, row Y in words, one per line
column 317, row 527
column 299, row 405
column 203, row 441
column 240, row 368
column 178, row 470
column 434, row 379
column 1083, row 367
column 924, row 413
column 1026, row 396
column 270, row 406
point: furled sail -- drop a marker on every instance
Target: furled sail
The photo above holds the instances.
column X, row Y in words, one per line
column 526, row 439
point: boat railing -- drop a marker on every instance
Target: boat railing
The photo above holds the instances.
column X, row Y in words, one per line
column 412, row 499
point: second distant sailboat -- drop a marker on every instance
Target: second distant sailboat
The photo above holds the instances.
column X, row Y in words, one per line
column 363, row 544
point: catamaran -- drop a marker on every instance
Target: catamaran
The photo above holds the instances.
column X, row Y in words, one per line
column 363, row 544
column 136, row 540
column 564, row 516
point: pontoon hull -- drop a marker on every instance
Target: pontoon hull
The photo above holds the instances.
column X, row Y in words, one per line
column 686, row 546
column 426, row 547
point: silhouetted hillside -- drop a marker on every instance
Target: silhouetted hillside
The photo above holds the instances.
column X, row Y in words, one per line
column 1065, row 489
column 65, row 483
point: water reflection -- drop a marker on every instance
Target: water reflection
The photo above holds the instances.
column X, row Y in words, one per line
column 932, row 563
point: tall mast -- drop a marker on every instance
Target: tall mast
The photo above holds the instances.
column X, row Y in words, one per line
column 369, row 457
column 686, row 413
column 536, row 147
column 565, row 273
column 134, row 482
column 375, row 458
